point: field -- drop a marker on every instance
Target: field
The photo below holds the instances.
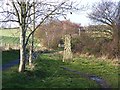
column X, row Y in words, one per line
column 9, row 32
column 10, row 40
column 10, row 36
column 99, row 34
column 48, row 74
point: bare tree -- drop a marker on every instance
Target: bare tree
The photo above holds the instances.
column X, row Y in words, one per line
column 32, row 38
column 108, row 12
column 54, row 32
column 20, row 11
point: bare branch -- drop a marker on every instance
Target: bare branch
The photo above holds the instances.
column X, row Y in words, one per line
column 104, row 12
column 42, row 22
column 9, row 21
column 17, row 12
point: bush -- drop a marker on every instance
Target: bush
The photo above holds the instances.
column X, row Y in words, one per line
column 97, row 46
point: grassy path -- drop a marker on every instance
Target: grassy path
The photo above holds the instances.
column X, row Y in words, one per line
column 97, row 79
column 49, row 74
column 101, row 82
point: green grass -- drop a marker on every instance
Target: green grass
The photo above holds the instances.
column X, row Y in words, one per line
column 8, row 56
column 48, row 74
column 98, row 67
column 12, row 40
column 9, row 40
column 9, row 32
column 11, row 36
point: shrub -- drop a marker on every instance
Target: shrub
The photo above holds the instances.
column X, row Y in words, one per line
column 97, row 46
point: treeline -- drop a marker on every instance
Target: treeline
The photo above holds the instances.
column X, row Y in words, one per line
column 84, row 39
column 51, row 34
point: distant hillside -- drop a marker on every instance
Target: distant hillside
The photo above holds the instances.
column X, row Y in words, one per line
column 10, row 32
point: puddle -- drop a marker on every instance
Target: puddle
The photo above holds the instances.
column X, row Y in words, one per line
column 96, row 79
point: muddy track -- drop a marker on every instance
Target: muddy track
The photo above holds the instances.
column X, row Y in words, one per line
column 100, row 81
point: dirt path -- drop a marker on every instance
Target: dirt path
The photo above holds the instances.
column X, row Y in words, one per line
column 101, row 82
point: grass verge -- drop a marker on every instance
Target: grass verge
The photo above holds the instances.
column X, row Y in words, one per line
column 99, row 67
column 48, row 74
column 8, row 56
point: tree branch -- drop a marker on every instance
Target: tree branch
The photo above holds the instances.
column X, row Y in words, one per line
column 42, row 22
column 17, row 12
column 10, row 21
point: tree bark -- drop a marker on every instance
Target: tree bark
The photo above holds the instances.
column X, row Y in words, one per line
column 22, row 50
column 32, row 38
column 30, row 56
column 116, row 41
column 22, row 37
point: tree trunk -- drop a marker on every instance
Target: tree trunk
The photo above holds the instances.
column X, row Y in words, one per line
column 30, row 56
column 116, row 41
column 31, row 50
column 32, row 39
column 22, row 50
column 22, row 37
column 67, row 55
